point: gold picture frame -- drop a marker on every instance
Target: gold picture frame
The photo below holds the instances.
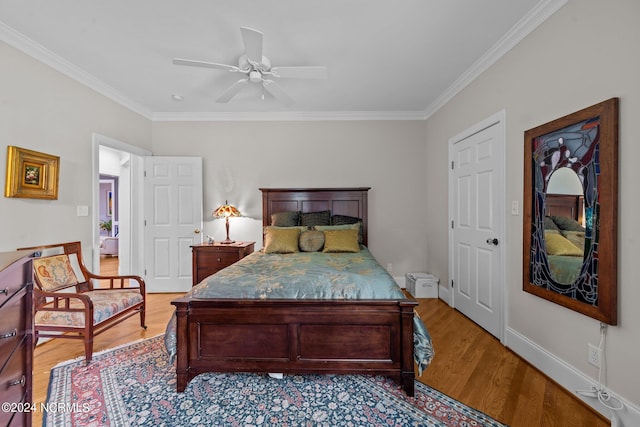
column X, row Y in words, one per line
column 31, row 174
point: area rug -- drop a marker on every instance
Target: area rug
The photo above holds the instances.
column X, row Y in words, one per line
column 134, row 385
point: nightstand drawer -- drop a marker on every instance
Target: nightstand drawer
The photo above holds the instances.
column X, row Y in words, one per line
column 211, row 258
column 217, row 260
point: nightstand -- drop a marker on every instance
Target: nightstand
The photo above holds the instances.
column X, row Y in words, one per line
column 210, row 258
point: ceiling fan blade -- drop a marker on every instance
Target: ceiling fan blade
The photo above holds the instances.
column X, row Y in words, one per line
column 252, row 44
column 192, row 63
column 277, row 92
column 300, row 72
column 232, row 90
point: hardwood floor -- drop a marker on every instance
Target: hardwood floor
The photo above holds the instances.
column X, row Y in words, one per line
column 470, row 365
column 473, row 367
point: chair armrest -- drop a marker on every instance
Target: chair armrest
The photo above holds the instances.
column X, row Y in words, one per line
column 119, row 282
column 61, row 301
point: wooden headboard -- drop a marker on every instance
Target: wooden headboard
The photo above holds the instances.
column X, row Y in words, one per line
column 340, row 201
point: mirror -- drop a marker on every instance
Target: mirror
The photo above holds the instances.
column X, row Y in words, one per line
column 564, row 228
column 570, row 211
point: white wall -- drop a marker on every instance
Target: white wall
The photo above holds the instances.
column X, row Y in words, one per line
column 584, row 54
column 43, row 110
column 241, row 157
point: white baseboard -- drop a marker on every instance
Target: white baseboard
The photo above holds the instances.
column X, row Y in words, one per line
column 443, row 294
column 568, row 377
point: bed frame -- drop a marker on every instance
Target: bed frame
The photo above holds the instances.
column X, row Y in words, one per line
column 298, row 336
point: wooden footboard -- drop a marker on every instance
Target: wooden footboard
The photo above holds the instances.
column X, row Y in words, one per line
column 295, row 337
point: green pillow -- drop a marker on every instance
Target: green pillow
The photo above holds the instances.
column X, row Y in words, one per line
column 281, row 240
column 567, row 224
column 285, row 219
column 341, row 241
column 315, row 218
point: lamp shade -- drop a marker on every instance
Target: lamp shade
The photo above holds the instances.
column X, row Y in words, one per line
column 226, row 210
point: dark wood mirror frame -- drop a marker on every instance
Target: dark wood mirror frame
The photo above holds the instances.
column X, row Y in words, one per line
column 595, row 160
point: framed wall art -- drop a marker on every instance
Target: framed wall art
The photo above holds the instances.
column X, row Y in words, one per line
column 570, row 237
column 31, row 174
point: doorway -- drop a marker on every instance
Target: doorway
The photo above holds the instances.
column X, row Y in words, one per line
column 125, row 162
column 477, row 251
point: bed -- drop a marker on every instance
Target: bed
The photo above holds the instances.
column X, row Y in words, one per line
column 245, row 319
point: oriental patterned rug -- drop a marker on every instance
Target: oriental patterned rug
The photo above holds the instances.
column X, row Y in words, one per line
column 134, row 385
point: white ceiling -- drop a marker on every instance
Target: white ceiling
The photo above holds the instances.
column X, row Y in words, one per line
column 385, row 58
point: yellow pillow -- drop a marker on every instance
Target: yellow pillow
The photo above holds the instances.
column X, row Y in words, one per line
column 559, row 245
column 281, row 240
column 341, row 241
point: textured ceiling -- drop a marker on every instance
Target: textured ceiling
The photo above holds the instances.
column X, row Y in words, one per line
column 385, row 59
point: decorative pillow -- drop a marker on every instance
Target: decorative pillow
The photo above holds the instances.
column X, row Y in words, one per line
column 285, row 219
column 557, row 244
column 341, row 241
column 281, row 240
column 344, row 219
column 575, row 237
column 352, row 226
column 54, row 272
column 297, row 227
column 315, row 218
column 549, row 224
column 567, row 224
column 311, row 241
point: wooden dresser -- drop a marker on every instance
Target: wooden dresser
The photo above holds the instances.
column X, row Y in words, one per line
column 209, row 258
column 16, row 339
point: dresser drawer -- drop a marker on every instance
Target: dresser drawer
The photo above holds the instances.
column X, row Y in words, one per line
column 12, row 327
column 13, row 280
column 13, row 380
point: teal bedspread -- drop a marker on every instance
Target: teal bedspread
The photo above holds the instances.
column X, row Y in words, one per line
column 307, row 275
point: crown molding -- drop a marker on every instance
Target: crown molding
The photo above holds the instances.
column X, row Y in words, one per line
column 44, row 55
column 526, row 25
column 289, row 116
column 523, row 28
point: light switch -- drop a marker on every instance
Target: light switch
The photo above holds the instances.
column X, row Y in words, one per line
column 83, row 210
column 515, row 208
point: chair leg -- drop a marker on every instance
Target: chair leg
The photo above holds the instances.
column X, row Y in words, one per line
column 88, row 349
column 142, row 310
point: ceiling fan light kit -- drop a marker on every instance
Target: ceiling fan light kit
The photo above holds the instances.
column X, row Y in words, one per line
column 256, row 70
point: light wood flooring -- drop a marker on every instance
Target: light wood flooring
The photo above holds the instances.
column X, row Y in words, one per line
column 470, row 365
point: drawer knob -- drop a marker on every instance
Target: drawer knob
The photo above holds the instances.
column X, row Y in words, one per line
column 219, row 259
column 19, row 382
column 9, row 334
column 5, row 291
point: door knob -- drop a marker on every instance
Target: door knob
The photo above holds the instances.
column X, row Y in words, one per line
column 493, row 241
column 197, row 231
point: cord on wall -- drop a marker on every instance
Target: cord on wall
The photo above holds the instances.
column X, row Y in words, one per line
column 600, row 392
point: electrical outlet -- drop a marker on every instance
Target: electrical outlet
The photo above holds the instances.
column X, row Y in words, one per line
column 593, row 355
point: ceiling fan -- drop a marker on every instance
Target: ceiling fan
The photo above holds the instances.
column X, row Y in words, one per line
column 257, row 69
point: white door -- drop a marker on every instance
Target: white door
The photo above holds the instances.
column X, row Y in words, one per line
column 173, row 220
column 477, row 229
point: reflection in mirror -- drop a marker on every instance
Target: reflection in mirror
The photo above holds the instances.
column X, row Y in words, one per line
column 564, row 231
